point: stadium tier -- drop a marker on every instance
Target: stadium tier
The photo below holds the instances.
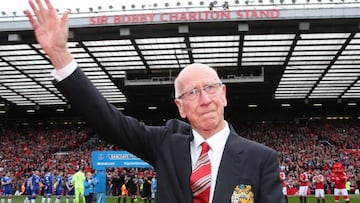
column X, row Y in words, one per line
column 278, row 61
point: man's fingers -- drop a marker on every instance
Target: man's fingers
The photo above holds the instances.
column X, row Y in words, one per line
column 40, row 5
column 39, row 10
column 36, row 11
column 33, row 7
column 49, row 5
column 42, row 15
column 33, row 22
column 65, row 19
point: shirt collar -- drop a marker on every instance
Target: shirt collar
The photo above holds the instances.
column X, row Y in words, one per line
column 216, row 142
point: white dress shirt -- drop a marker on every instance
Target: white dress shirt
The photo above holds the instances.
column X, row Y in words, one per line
column 217, row 144
column 63, row 73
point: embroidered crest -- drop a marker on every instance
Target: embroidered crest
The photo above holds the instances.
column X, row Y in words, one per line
column 242, row 194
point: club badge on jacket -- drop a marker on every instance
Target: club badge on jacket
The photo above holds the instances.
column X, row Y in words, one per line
column 242, row 194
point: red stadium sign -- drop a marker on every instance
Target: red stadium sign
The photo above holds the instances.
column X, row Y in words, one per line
column 194, row 16
column 246, row 13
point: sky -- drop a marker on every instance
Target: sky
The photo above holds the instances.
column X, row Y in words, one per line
column 62, row 5
column 21, row 5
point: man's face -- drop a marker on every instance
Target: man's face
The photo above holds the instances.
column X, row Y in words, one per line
column 206, row 112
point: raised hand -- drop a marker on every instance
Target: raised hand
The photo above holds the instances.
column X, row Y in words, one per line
column 51, row 31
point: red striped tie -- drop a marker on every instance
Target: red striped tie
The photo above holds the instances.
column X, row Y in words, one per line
column 201, row 177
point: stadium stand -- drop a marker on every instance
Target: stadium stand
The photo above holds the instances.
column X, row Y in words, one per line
column 311, row 145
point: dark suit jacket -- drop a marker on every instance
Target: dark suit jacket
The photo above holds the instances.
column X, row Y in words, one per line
column 167, row 148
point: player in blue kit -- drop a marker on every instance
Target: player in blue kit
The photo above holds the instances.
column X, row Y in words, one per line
column 48, row 187
column 35, row 182
column 28, row 190
column 6, row 188
column 69, row 188
column 58, row 186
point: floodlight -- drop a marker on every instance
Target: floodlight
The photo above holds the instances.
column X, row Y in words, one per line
column 211, row 6
column 226, row 5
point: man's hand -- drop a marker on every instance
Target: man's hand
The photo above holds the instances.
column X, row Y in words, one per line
column 51, row 32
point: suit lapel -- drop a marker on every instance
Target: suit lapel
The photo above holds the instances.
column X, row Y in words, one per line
column 230, row 168
column 182, row 162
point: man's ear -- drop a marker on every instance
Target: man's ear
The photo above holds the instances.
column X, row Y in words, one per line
column 180, row 108
column 224, row 99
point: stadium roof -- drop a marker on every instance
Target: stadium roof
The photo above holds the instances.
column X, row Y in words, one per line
column 270, row 57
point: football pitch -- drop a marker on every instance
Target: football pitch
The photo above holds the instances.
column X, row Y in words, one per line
column 292, row 199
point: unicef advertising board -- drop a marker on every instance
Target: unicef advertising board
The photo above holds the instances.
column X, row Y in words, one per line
column 105, row 159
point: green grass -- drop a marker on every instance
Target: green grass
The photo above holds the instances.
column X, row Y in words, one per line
column 292, row 199
column 328, row 199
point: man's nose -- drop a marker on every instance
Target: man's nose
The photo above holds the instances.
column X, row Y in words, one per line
column 204, row 97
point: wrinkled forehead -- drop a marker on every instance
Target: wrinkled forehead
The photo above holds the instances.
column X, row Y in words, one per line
column 196, row 74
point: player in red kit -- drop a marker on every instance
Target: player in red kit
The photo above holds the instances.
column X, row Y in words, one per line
column 339, row 178
column 319, row 180
column 284, row 185
column 304, row 186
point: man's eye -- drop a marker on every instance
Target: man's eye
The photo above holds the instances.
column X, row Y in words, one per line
column 193, row 92
column 209, row 87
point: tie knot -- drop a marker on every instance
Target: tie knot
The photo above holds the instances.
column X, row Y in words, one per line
column 204, row 147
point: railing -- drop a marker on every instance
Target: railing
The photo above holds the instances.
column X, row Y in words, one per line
column 128, row 8
column 170, row 80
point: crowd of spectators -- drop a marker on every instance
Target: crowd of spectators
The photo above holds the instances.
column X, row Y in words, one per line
column 307, row 145
column 24, row 149
column 310, row 146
